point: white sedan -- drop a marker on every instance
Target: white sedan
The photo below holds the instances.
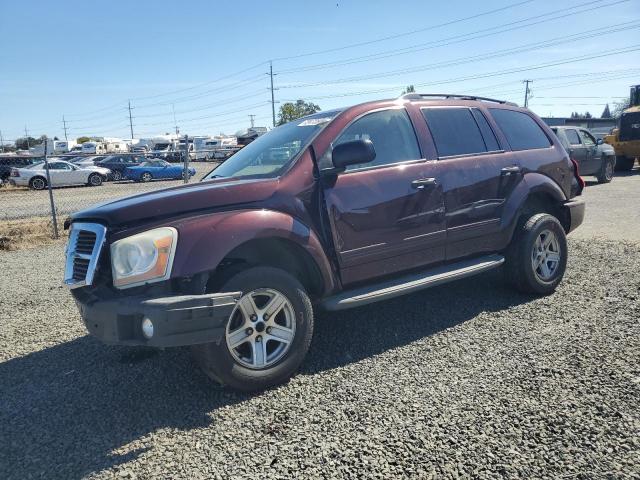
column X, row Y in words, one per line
column 61, row 173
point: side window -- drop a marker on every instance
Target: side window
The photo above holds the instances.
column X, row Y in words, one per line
column 454, row 131
column 391, row 133
column 573, row 137
column 58, row 166
column 522, row 131
column 587, row 139
column 488, row 135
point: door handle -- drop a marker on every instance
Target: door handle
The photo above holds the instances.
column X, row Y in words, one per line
column 423, row 182
column 513, row 170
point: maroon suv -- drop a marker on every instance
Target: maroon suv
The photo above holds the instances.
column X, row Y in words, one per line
column 335, row 210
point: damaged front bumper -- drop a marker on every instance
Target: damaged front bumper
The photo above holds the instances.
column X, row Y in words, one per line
column 175, row 320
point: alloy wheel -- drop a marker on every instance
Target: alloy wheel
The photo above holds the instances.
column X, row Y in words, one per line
column 117, row 176
column 261, row 328
column 545, row 255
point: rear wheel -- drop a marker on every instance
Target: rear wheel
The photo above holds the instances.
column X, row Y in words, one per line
column 38, row 183
column 537, row 258
column 266, row 336
column 146, row 177
column 624, row 163
column 95, row 180
column 605, row 175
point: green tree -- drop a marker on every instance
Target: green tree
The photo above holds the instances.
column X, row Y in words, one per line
column 290, row 111
column 24, row 143
column 606, row 113
column 409, row 89
column 82, row 139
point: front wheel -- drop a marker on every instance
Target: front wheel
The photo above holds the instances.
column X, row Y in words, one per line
column 537, row 257
column 116, row 175
column 606, row 171
column 95, row 180
column 266, row 336
column 624, row 163
column 146, row 177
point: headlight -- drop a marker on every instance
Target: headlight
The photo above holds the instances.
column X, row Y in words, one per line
column 143, row 258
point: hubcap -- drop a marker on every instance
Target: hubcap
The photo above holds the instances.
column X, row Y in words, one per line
column 261, row 328
column 609, row 170
column 116, row 175
column 38, row 184
column 545, row 256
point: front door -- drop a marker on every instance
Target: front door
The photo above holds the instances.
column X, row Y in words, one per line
column 388, row 215
column 594, row 160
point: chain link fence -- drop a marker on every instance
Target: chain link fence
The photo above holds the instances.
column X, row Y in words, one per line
column 72, row 182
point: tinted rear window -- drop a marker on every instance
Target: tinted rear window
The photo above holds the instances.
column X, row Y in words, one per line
column 522, row 131
column 456, row 132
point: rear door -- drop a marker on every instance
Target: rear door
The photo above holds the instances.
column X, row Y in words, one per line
column 477, row 176
column 387, row 215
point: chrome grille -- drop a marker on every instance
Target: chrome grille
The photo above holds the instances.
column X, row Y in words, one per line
column 83, row 251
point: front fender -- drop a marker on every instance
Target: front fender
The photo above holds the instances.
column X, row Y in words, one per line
column 205, row 240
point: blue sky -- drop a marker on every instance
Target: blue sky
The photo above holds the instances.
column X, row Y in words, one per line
column 208, row 60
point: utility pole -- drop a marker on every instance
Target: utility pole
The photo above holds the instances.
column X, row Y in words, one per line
column 1, row 141
column 64, row 123
column 527, row 91
column 273, row 101
column 26, row 136
column 173, row 108
column 251, row 119
column 130, row 120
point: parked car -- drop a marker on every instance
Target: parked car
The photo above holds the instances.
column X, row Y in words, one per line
column 118, row 163
column 84, row 161
column 335, row 210
column 14, row 161
column 592, row 155
column 156, row 170
column 61, row 174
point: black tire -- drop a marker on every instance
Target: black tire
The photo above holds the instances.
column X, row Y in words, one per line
column 37, row 183
column 218, row 363
column 116, row 175
column 623, row 163
column 146, row 177
column 95, row 180
column 605, row 175
column 519, row 267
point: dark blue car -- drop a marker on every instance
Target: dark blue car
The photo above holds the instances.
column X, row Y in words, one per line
column 156, row 170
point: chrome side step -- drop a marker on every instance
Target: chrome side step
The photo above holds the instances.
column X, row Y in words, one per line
column 411, row 283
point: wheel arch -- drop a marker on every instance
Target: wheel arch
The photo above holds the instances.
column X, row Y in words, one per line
column 222, row 243
column 536, row 194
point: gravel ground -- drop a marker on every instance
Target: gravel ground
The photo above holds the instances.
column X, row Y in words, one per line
column 425, row 386
column 24, row 203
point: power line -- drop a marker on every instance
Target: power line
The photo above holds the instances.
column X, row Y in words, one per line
column 472, row 59
column 404, row 34
column 465, row 37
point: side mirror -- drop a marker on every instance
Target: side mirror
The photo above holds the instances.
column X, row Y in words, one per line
column 353, row 153
column 599, row 141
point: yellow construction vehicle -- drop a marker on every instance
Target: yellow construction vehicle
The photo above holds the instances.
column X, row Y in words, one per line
column 625, row 139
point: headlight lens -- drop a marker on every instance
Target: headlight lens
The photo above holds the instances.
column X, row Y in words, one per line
column 143, row 258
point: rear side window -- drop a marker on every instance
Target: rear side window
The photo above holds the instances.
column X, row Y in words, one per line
column 456, row 131
column 573, row 137
column 522, row 131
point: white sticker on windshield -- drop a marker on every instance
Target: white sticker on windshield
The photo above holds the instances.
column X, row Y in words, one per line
column 313, row 121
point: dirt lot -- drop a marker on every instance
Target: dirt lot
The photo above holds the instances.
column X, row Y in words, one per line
column 466, row 380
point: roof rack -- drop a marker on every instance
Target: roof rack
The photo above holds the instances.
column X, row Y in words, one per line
column 420, row 96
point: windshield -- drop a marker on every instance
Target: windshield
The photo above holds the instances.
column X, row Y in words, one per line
column 269, row 154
